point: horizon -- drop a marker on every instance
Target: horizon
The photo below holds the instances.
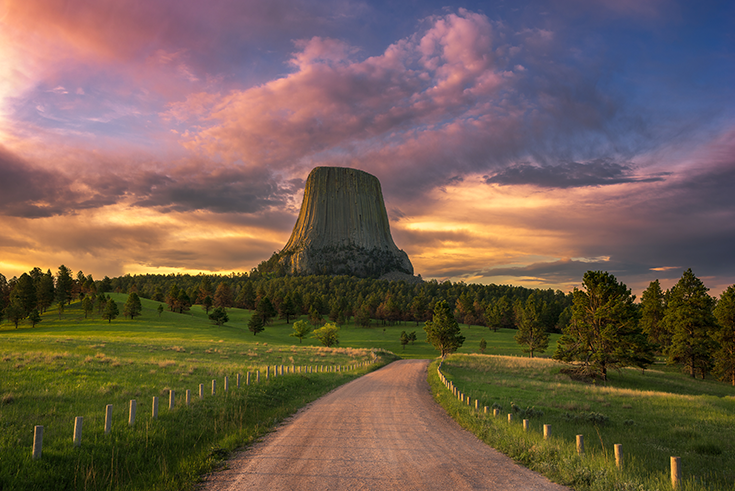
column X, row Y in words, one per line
column 519, row 144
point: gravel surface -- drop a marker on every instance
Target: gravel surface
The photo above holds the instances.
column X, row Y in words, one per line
column 382, row 431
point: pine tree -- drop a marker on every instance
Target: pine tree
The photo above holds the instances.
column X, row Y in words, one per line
column 691, row 322
column 531, row 331
column 111, row 310
column 653, row 308
column 223, row 296
column 133, row 307
column 64, row 285
column 725, row 336
column 256, row 324
column 603, row 333
column 87, row 306
column 443, row 331
column 219, row 316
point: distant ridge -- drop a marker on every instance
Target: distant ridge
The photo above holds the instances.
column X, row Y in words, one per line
column 342, row 228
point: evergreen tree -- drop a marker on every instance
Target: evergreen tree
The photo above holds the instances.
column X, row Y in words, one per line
column 499, row 315
column 64, row 285
column 404, row 340
column 725, row 336
column 652, row 315
column 246, row 298
column 111, row 310
column 265, row 310
column 14, row 311
column 25, row 292
column 604, row 330
column 483, row 345
column 45, row 291
column 34, row 317
column 287, row 309
column 219, row 316
column 160, row 309
column 362, row 316
column 223, row 296
column 256, row 324
column 531, row 331
column 105, row 285
column 172, row 298
column 443, row 331
column 691, row 322
column 133, row 307
column 207, row 303
column 87, row 306
column 205, row 289
column 101, row 302
column 183, row 302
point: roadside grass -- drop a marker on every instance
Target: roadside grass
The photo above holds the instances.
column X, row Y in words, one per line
column 654, row 415
column 71, row 367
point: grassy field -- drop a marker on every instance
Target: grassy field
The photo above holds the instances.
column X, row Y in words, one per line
column 71, row 366
column 654, row 415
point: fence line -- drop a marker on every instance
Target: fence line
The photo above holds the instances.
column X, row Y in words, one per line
column 675, row 462
column 37, row 449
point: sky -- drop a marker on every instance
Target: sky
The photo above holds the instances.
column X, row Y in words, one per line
column 517, row 142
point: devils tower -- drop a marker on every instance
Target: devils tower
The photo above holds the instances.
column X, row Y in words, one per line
column 342, row 228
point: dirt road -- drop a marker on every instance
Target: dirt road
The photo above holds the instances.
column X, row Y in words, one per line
column 382, row 431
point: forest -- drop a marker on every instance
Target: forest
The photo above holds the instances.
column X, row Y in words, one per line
column 602, row 326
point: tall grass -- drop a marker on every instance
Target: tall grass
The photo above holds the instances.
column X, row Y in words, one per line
column 654, row 416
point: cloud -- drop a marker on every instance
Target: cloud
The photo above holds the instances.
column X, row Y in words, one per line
column 570, row 174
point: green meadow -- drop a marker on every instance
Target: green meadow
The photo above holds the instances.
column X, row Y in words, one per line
column 69, row 366
column 654, row 414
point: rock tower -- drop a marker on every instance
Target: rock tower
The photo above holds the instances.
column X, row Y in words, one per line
column 342, row 228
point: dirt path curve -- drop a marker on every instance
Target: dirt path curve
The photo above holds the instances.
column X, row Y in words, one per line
column 382, row 431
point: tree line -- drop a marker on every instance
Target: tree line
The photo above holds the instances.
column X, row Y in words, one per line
column 337, row 298
column 602, row 327
column 607, row 330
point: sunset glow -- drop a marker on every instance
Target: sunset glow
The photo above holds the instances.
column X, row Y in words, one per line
column 522, row 144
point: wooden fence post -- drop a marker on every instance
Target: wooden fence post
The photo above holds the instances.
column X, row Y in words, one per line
column 247, row 378
column 496, row 412
column 37, row 442
column 525, row 425
column 227, row 384
column 78, row 431
column 485, row 410
column 580, row 444
column 267, row 372
column 154, row 412
column 108, row 418
column 510, row 417
column 675, row 472
column 188, row 397
column 238, row 380
column 619, row 455
column 214, row 387
column 171, row 399
column 257, row 377
column 131, row 414
column 201, row 391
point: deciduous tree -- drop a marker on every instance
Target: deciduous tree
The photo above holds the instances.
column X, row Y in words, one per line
column 301, row 329
column 328, row 334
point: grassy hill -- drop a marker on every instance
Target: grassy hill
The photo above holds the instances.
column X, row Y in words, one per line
column 71, row 366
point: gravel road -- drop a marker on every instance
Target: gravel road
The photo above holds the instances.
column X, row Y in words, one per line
column 382, row 431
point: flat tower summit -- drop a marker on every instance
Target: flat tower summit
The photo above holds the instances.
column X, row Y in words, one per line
column 342, row 228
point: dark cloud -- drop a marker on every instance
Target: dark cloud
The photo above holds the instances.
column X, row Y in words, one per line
column 599, row 172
